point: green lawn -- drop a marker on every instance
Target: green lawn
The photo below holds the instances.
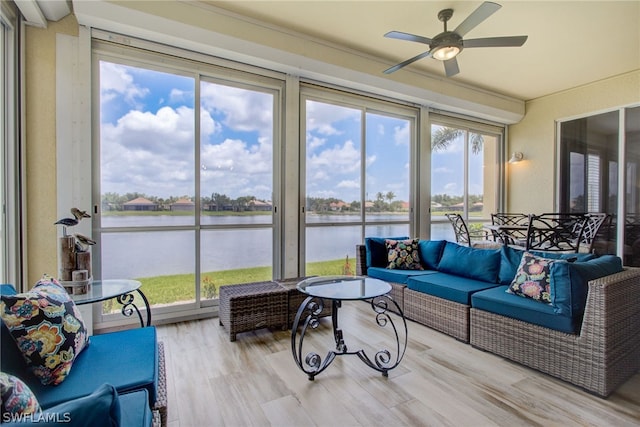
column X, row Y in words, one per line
column 180, row 287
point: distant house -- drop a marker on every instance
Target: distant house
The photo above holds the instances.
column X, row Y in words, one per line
column 183, row 205
column 140, row 204
column 338, row 206
column 258, row 205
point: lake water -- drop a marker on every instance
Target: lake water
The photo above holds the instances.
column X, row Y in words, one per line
column 157, row 253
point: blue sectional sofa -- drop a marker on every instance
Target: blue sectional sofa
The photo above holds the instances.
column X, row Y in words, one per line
column 461, row 291
column 121, row 368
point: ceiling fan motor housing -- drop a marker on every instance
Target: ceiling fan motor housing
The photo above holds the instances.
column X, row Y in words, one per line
column 447, row 38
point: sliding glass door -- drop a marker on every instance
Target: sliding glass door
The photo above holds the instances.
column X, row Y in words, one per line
column 591, row 179
column 357, row 162
column 186, row 182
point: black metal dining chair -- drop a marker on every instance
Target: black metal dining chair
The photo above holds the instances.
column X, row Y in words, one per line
column 465, row 237
column 510, row 236
column 591, row 229
column 555, row 232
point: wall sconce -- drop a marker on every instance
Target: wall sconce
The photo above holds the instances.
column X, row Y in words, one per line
column 516, row 157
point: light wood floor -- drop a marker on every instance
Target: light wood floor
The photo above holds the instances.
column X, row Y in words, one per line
column 255, row 382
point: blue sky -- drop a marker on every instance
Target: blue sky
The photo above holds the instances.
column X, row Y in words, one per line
column 148, row 131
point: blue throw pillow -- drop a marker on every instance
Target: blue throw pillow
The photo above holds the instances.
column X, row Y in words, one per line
column 430, row 253
column 478, row 264
column 377, row 255
column 569, row 282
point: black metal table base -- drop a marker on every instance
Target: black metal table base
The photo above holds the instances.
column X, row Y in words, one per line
column 129, row 307
column 312, row 364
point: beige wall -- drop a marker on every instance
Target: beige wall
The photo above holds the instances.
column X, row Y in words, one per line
column 530, row 187
column 40, row 146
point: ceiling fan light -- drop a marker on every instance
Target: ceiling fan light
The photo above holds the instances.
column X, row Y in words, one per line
column 444, row 53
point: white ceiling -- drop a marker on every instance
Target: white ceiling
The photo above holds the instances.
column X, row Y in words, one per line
column 571, row 43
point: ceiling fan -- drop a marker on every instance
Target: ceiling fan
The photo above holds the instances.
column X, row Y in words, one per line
column 448, row 44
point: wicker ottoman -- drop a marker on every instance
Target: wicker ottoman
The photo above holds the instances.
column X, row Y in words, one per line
column 252, row 306
column 295, row 298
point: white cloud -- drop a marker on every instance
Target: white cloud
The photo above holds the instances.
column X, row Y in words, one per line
column 441, row 169
column 115, row 81
column 322, row 117
column 451, row 188
column 337, row 160
column 349, row 184
column 243, row 110
column 402, row 134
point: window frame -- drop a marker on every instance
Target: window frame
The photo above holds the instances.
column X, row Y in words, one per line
column 12, row 229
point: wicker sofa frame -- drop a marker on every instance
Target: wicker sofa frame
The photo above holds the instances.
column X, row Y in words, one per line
column 599, row 359
column 446, row 316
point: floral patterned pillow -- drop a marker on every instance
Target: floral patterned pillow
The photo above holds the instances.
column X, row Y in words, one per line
column 47, row 327
column 16, row 398
column 532, row 278
column 403, row 254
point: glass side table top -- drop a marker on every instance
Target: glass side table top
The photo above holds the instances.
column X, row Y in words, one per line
column 102, row 290
column 344, row 287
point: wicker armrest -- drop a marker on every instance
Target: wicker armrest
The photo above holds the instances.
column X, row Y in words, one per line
column 361, row 260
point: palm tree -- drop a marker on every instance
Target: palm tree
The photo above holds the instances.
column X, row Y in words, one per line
column 443, row 136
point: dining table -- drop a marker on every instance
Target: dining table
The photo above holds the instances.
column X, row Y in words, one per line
column 508, row 234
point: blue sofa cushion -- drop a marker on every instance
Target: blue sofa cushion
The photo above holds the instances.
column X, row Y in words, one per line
column 134, row 409
column 403, row 254
column 510, row 260
column 533, row 278
column 430, row 253
column 47, row 327
column 126, row 359
column 16, row 398
column 376, row 250
column 497, row 300
column 453, row 288
column 569, row 282
column 395, row 276
column 479, row 264
column 100, row 409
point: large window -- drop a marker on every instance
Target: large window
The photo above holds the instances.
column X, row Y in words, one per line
column 591, row 179
column 465, row 173
column 186, row 182
column 357, row 181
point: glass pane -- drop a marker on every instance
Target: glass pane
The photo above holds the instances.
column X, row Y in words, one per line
column 589, row 158
column 146, row 146
column 331, row 250
column 236, row 135
column 483, row 178
column 333, row 163
column 632, row 156
column 387, row 168
column 447, row 171
column 162, row 260
column 235, row 256
column 447, row 176
column 390, row 230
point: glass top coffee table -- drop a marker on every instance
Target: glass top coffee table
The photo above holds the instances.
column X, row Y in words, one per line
column 344, row 288
column 120, row 289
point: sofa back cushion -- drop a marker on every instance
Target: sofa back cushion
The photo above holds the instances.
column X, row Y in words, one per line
column 479, row 264
column 569, row 282
column 430, row 253
column 377, row 255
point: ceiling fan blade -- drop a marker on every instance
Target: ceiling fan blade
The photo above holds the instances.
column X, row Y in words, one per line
column 451, row 67
column 483, row 11
column 512, row 41
column 409, row 37
column 407, row 62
